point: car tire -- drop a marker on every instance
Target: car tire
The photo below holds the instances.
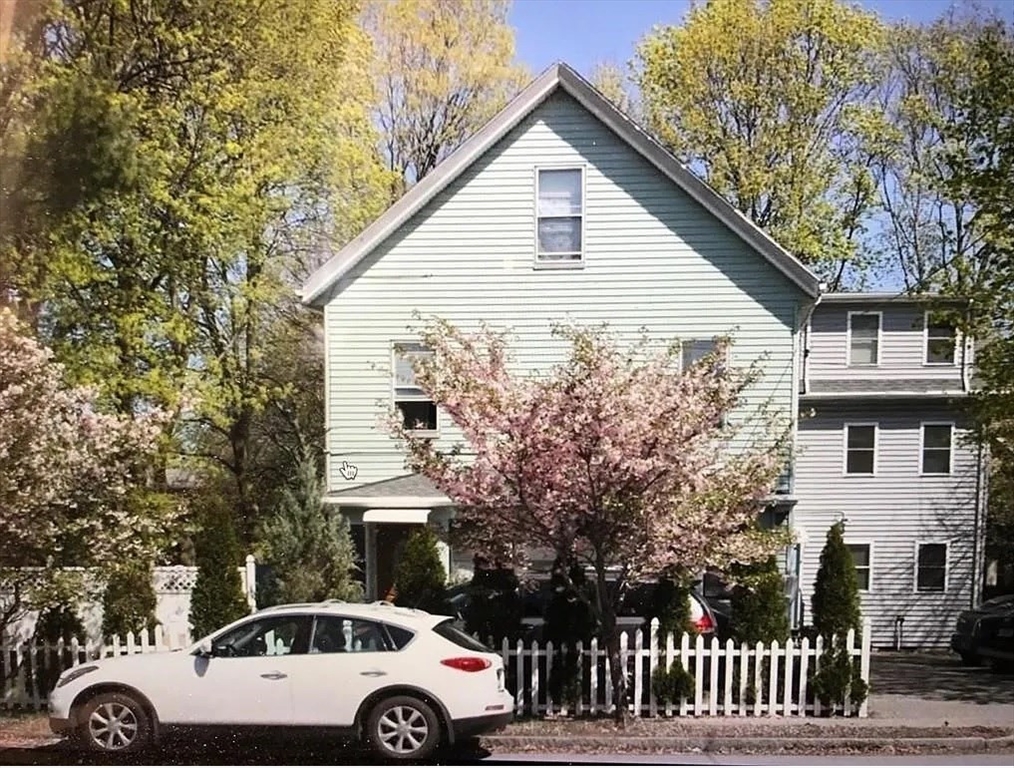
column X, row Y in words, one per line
column 403, row 728
column 970, row 660
column 131, row 731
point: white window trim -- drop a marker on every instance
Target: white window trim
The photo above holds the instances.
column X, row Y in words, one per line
column 394, row 391
column 922, row 448
column 947, row 566
column 925, row 344
column 845, row 447
column 864, row 543
column 562, row 263
column 848, row 339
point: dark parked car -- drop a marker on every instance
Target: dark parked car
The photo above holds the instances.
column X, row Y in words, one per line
column 995, row 638
column 966, row 637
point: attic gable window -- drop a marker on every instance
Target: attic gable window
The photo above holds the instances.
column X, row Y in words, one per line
column 417, row 408
column 560, row 213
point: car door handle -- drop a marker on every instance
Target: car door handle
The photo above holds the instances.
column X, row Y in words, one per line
column 274, row 675
column 373, row 673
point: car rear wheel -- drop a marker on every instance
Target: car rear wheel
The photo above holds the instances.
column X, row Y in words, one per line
column 114, row 722
column 403, row 728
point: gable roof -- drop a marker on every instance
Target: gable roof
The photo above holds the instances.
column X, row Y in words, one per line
column 557, row 77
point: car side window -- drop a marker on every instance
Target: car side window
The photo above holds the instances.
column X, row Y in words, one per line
column 338, row 634
column 265, row 636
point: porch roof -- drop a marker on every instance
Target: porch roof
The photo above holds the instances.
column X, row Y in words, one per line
column 406, row 491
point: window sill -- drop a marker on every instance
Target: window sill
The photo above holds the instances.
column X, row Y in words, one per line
column 859, row 475
column 939, row 365
column 936, row 474
column 560, row 264
column 862, row 365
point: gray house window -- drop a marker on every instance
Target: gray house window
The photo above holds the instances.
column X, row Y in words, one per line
column 860, row 449
column 861, row 559
column 560, row 204
column 936, row 448
column 931, row 568
column 417, row 408
column 941, row 342
column 864, row 338
column 694, row 350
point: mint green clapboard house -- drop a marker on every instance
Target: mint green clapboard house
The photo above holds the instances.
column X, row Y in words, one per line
column 559, row 208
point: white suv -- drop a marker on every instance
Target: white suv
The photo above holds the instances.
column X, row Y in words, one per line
column 404, row 681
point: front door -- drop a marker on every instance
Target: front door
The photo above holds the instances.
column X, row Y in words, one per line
column 391, row 538
column 247, row 680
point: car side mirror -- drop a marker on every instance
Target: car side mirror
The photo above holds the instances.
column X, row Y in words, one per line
column 204, row 649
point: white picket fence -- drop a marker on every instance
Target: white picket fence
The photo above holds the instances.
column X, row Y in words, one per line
column 729, row 679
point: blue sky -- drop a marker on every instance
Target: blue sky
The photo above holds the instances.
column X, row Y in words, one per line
column 586, row 32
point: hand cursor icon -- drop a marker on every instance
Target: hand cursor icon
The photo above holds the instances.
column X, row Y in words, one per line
column 348, row 471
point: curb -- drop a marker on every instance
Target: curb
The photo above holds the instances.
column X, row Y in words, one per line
column 768, row 744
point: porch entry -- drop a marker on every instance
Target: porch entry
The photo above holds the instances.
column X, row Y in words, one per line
column 390, row 543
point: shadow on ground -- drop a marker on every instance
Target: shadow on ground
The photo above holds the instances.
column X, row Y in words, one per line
column 942, row 678
column 231, row 752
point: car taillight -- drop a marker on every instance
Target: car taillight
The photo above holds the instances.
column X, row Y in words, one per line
column 704, row 624
column 467, row 663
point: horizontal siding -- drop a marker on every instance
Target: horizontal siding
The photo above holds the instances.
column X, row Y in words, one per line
column 654, row 258
column 902, row 345
column 892, row 510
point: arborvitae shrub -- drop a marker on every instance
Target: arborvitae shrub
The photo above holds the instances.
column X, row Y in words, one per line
column 568, row 621
column 495, row 606
column 759, row 611
column 673, row 684
column 307, row 547
column 836, row 611
column 420, row 577
column 672, row 608
column 129, row 600
column 218, row 597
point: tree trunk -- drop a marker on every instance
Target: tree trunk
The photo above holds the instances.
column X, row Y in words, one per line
column 246, row 508
column 611, row 636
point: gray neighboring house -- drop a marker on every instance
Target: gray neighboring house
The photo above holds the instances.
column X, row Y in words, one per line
column 883, row 445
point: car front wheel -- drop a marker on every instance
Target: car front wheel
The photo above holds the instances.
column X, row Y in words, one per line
column 114, row 722
column 403, row 728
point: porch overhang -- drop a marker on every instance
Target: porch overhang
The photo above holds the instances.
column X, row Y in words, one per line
column 390, row 516
column 388, row 502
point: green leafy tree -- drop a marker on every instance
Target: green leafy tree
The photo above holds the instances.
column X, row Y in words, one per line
column 758, row 606
column 767, row 100
column 217, row 598
column 129, row 600
column 419, row 576
column 308, row 547
column 441, row 69
column 835, row 611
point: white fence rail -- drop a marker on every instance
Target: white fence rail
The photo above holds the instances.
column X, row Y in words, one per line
column 729, row 679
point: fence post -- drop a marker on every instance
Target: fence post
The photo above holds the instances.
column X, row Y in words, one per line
column 744, row 671
column 251, row 583
column 804, row 664
column 730, row 661
column 593, row 676
column 790, row 668
column 638, row 671
column 773, row 678
column 758, row 684
column 850, row 652
column 652, row 668
column 713, row 689
column 685, row 661
column 864, row 667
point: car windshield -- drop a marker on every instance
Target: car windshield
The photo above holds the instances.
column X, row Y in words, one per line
column 996, row 601
column 448, row 631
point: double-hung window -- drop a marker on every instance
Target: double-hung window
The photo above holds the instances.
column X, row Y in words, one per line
column 418, row 410
column 864, row 338
column 937, row 446
column 941, row 341
column 560, row 214
column 931, row 567
column 863, row 566
column 860, row 449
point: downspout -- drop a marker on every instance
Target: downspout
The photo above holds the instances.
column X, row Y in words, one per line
column 805, row 327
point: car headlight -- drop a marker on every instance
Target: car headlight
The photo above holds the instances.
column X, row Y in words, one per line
column 73, row 674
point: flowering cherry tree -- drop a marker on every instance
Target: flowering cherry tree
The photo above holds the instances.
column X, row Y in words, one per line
column 617, row 457
column 67, row 477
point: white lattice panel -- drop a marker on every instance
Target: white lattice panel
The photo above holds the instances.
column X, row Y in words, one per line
column 175, row 578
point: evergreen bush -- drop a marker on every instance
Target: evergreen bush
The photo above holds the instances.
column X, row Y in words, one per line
column 568, row 621
column 307, row 548
column 419, row 577
column 129, row 600
column 218, row 597
column 673, row 684
column 495, row 606
column 672, row 608
column 759, row 610
column 836, row 610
